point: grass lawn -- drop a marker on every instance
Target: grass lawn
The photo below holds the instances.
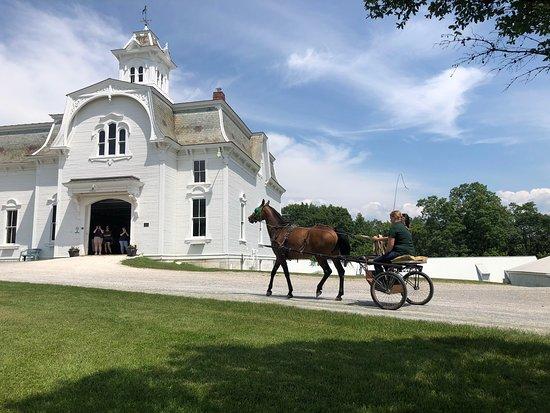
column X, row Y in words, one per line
column 144, row 262
column 83, row 350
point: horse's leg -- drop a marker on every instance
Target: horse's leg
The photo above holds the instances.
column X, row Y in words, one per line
column 341, row 273
column 273, row 272
column 287, row 275
column 326, row 269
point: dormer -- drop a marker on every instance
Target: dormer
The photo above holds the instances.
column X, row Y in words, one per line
column 143, row 60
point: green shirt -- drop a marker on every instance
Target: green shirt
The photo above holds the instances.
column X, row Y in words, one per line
column 403, row 238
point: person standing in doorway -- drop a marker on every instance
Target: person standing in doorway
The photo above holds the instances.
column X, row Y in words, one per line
column 123, row 241
column 107, row 240
column 98, row 239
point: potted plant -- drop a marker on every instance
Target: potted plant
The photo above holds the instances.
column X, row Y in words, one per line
column 131, row 250
column 74, row 252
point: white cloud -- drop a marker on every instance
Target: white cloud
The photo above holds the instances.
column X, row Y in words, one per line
column 45, row 55
column 50, row 55
column 540, row 196
column 433, row 103
column 411, row 209
column 321, row 172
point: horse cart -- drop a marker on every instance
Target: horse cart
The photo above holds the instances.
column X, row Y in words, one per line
column 398, row 283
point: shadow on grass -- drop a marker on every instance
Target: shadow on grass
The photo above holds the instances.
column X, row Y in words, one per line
column 453, row 373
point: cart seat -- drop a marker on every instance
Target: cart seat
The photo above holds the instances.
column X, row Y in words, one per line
column 410, row 259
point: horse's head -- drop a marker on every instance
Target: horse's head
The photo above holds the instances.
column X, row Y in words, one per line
column 259, row 213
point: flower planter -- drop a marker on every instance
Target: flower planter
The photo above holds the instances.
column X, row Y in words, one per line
column 131, row 251
column 74, row 253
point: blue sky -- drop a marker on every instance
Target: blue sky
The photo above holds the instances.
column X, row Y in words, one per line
column 347, row 103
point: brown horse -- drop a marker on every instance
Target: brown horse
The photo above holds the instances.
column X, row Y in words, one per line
column 293, row 242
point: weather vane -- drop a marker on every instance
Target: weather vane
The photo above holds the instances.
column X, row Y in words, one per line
column 144, row 17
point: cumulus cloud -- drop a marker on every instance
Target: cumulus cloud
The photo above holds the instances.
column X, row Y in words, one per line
column 321, row 172
column 48, row 55
column 433, row 103
column 540, row 196
column 45, row 54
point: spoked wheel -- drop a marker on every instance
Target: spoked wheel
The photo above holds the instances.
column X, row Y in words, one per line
column 388, row 290
column 420, row 288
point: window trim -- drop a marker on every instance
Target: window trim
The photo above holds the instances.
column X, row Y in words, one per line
column 242, row 218
column 10, row 205
column 199, row 217
column 8, row 240
column 103, row 129
column 190, row 238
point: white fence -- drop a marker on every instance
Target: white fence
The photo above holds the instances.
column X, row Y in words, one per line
column 489, row 269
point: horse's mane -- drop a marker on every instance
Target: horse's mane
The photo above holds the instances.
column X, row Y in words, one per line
column 278, row 215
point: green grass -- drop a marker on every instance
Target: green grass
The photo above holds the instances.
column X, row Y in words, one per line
column 144, row 262
column 68, row 349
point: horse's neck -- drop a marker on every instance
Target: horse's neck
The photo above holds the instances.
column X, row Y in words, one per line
column 274, row 224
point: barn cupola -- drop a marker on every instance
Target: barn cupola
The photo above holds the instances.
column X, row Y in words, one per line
column 143, row 60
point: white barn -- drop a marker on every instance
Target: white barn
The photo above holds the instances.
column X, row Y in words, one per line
column 183, row 177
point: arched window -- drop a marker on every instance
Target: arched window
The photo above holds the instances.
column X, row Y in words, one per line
column 140, row 74
column 101, row 143
column 122, row 141
column 112, row 138
column 158, row 77
column 132, row 74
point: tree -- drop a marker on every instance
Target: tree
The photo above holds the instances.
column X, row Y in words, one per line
column 520, row 40
column 439, row 231
column 486, row 221
column 531, row 235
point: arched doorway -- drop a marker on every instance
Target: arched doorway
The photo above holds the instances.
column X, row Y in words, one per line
column 112, row 212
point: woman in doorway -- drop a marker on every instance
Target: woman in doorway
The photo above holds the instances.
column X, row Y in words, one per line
column 98, row 239
column 123, row 240
column 107, row 240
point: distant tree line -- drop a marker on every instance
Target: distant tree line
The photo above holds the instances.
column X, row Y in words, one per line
column 471, row 221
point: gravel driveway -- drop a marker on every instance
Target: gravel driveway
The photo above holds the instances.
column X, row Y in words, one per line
column 484, row 305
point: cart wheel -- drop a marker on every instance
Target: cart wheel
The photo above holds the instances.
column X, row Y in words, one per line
column 388, row 290
column 420, row 287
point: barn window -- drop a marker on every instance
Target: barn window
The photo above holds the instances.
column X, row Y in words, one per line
column 140, row 74
column 199, row 217
column 199, row 171
column 54, row 222
column 11, row 226
column 132, row 74
column 101, row 143
column 113, row 139
column 122, row 141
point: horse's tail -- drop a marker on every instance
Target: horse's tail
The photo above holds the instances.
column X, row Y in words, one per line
column 343, row 244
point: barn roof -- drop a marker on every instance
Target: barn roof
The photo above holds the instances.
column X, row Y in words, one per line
column 17, row 142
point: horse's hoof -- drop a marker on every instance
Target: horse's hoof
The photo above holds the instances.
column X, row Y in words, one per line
column 339, row 298
column 268, row 293
column 318, row 293
column 289, row 295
